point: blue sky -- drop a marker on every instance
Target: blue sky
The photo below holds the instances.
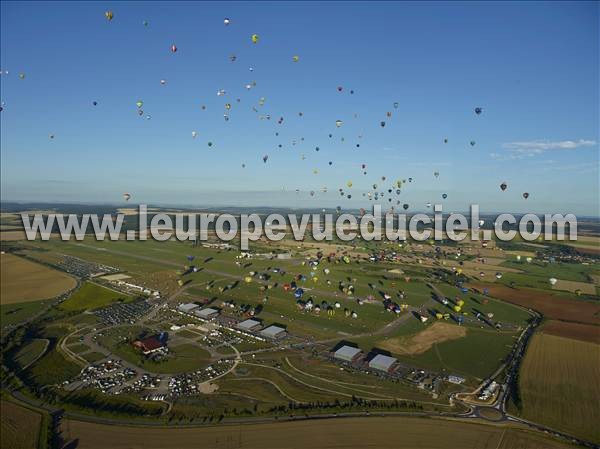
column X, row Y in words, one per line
column 532, row 67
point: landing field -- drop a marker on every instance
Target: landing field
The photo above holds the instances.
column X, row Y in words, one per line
column 351, row 433
column 23, row 280
column 559, row 385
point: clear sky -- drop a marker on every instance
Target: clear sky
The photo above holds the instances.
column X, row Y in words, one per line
column 532, row 67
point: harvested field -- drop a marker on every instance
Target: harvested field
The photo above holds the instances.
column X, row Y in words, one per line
column 350, row 433
column 559, row 385
column 20, row 426
column 550, row 305
column 438, row 332
column 572, row 286
column 12, row 236
column 583, row 332
column 24, row 281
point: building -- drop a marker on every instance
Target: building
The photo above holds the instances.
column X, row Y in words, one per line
column 383, row 363
column 207, row 313
column 456, row 379
column 347, row 354
column 273, row 332
column 249, row 325
column 188, row 308
column 148, row 345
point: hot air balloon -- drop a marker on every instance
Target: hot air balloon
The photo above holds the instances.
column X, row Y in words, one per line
column 525, row 195
column 194, row 134
column 396, row 104
column 265, row 158
column 226, row 21
column 444, row 195
column 436, row 174
column 139, row 103
column 472, row 143
column 126, row 196
column 478, row 110
column 338, row 123
column 254, row 38
column 295, row 58
column 553, row 281
column 340, row 88
column 503, row 186
column 382, row 124
column 109, row 15
column 349, row 183
column 174, row 48
column 210, row 144
column 445, row 140
column 405, row 206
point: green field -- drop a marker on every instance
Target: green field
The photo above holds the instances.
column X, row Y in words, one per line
column 29, row 352
column 92, row 296
column 11, row 314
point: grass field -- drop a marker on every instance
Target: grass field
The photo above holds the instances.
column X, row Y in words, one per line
column 23, row 280
column 15, row 313
column 475, row 355
column 559, row 385
column 20, row 426
column 93, row 296
column 30, row 351
column 351, row 433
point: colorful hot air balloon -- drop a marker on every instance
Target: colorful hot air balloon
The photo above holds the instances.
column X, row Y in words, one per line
column 139, row 103
column 109, row 15
column 295, row 58
column 174, row 48
column 254, row 38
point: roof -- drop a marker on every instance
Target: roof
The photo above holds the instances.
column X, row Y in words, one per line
column 347, row 352
column 248, row 324
column 272, row 331
column 382, row 362
column 188, row 307
column 150, row 343
column 206, row 312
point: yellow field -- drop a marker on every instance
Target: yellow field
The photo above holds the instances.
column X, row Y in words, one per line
column 348, row 433
column 12, row 236
column 19, row 427
column 438, row 332
column 571, row 286
column 560, row 385
column 24, row 281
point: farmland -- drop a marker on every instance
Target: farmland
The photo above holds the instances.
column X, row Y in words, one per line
column 559, row 384
column 20, row 426
column 24, row 281
column 551, row 305
column 392, row 433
